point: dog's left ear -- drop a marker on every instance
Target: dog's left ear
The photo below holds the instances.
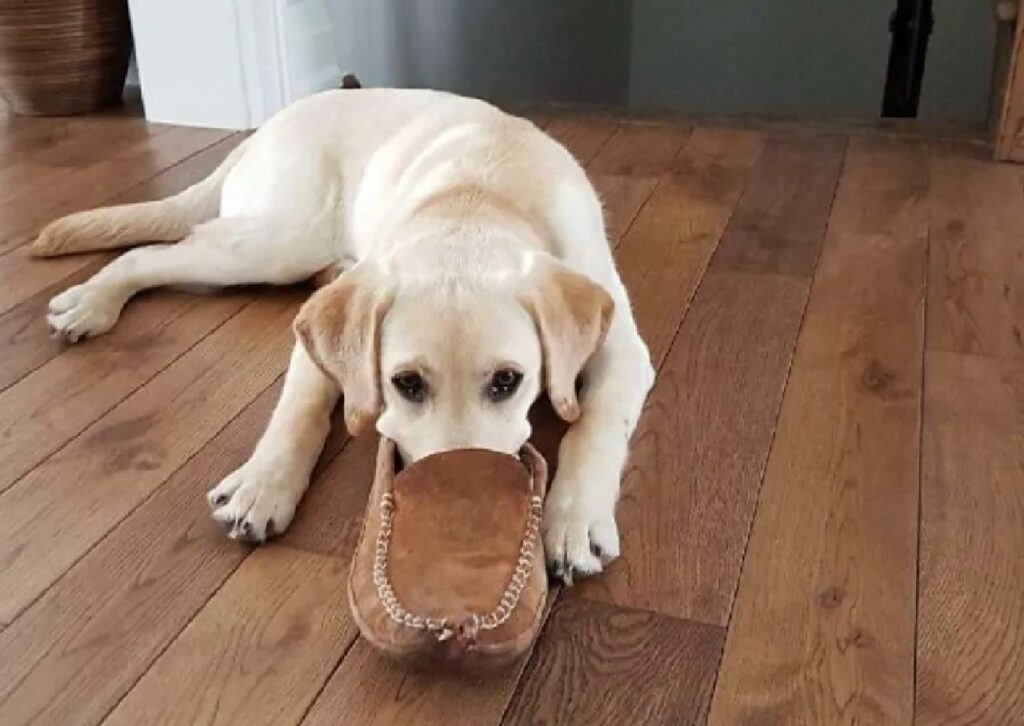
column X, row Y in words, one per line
column 339, row 326
column 572, row 314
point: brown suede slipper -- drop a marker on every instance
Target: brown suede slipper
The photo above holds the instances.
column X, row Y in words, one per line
column 449, row 570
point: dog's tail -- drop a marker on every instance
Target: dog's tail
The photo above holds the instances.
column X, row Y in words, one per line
column 127, row 225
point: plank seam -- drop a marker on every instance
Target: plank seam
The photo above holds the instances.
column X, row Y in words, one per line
column 227, row 576
column 775, row 426
column 96, row 544
column 688, row 303
column 597, row 152
column 920, row 475
column 150, row 495
column 13, row 310
column 327, row 680
column 107, row 199
column 115, row 403
column 127, row 395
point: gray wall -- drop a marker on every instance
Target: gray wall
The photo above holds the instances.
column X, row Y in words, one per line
column 773, row 57
column 783, row 57
column 958, row 74
column 573, row 51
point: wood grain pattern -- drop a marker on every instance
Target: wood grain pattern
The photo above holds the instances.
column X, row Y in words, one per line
column 54, row 191
column 25, row 138
column 369, row 690
column 976, row 276
column 599, row 664
column 329, row 520
column 627, row 169
column 781, row 218
column 47, row 408
column 663, row 255
column 21, row 277
column 694, row 474
column 24, row 334
column 133, row 592
column 970, row 651
column 25, row 174
column 640, row 150
column 106, row 471
column 23, row 330
column 883, row 189
column 259, row 652
column 823, row 626
column 690, row 489
column 583, row 136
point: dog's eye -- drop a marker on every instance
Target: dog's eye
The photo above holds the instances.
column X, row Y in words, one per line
column 503, row 384
column 411, row 386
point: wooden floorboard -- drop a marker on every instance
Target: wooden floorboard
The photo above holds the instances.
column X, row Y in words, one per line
column 24, row 137
column 32, row 174
column 628, row 167
column 23, row 330
column 583, row 136
column 823, row 626
column 664, row 253
column 24, row 333
column 976, row 261
column 601, row 664
column 259, row 652
column 779, row 224
column 53, row 404
column 136, row 590
column 97, row 184
column 44, row 192
column 970, row 667
column 103, row 473
column 369, row 690
column 690, row 491
column 970, row 651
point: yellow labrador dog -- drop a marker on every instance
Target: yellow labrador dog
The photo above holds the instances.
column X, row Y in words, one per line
column 471, row 270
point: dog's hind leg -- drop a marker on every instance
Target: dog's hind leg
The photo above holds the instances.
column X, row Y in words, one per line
column 221, row 252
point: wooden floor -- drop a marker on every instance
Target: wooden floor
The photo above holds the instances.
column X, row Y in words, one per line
column 822, row 521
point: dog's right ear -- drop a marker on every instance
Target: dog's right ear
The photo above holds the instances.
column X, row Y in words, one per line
column 572, row 314
column 339, row 326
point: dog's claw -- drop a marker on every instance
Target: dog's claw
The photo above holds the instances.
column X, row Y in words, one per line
column 562, row 571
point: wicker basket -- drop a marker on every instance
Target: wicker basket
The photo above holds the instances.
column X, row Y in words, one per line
column 60, row 57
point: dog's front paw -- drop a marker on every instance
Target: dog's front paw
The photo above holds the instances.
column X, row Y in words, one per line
column 257, row 501
column 580, row 536
column 83, row 311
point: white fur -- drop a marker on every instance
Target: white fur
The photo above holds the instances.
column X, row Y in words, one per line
column 386, row 176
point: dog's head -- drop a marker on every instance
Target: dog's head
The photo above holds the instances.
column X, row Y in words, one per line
column 452, row 363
